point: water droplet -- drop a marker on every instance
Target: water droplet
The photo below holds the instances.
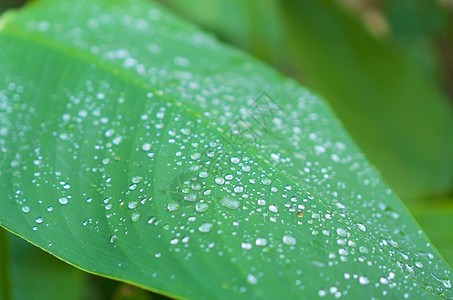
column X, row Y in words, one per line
column 363, row 280
column 173, row 206
column 341, row 232
column 273, row 208
column 230, row 203
column 363, row 249
column 135, row 217
column 234, row 160
column 113, row 238
column 201, row 207
column 39, row 220
column 238, row 189
column 26, row 209
column 289, row 240
column 361, row 227
column 252, row 279
column 63, row 201
column 137, row 179
column 261, row 242
column 219, row 180
column 205, row 227
column 132, row 204
column 246, row 246
column 146, row 147
column 261, row 202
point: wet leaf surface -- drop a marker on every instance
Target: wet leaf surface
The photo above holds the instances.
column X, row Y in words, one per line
column 136, row 147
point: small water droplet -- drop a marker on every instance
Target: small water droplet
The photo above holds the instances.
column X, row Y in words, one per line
column 361, row 227
column 341, row 232
column 246, row 246
column 146, row 147
column 363, row 280
column 230, row 203
column 135, row 217
column 173, row 206
column 289, row 240
column 137, row 179
column 201, row 207
column 63, row 201
column 113, row 238
column 273, row 208
column 205, row 227
column 132, row 204
column 261, row 242
column 252, row 279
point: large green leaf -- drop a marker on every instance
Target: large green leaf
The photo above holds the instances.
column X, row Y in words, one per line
column 136, row 147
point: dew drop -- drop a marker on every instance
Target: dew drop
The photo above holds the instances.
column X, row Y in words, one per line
column 146, row 147
column 273, row 208
column 205, row 227
column 289, row 240
column 201, row 207
column 235, row 160
column 135, row 217
column 361, row 227
column 219, row 180
column 63, row 201
column 113, row 238
column 341, row 232
column 137, row 179
column 173, row 206
column 230, row 203
column 363, row 280
column 261, row 202
column 261, row 242
column 246, row 246
column 132, row 204
column 252, row 279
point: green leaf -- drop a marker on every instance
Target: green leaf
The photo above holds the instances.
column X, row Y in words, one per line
column 436, row 218
column 33, row 274
column 7, row 4
column 138, row 148
column 5, row 285
column 397, row 114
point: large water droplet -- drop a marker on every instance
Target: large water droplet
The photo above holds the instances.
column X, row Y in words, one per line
column 205, row 227
column 289, row 240
column 230, row 203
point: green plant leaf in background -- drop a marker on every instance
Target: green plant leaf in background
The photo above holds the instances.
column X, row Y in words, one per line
column 34, row 274
column 37, row 275
column 136, row 147
column 399, row 117
column 435, row 217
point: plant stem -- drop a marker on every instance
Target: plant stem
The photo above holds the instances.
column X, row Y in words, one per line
column 5, row 290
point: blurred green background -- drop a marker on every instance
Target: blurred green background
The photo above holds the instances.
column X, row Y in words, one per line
column 386, row 69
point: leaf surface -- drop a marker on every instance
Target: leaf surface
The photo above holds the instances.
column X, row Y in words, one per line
column 136, row 147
